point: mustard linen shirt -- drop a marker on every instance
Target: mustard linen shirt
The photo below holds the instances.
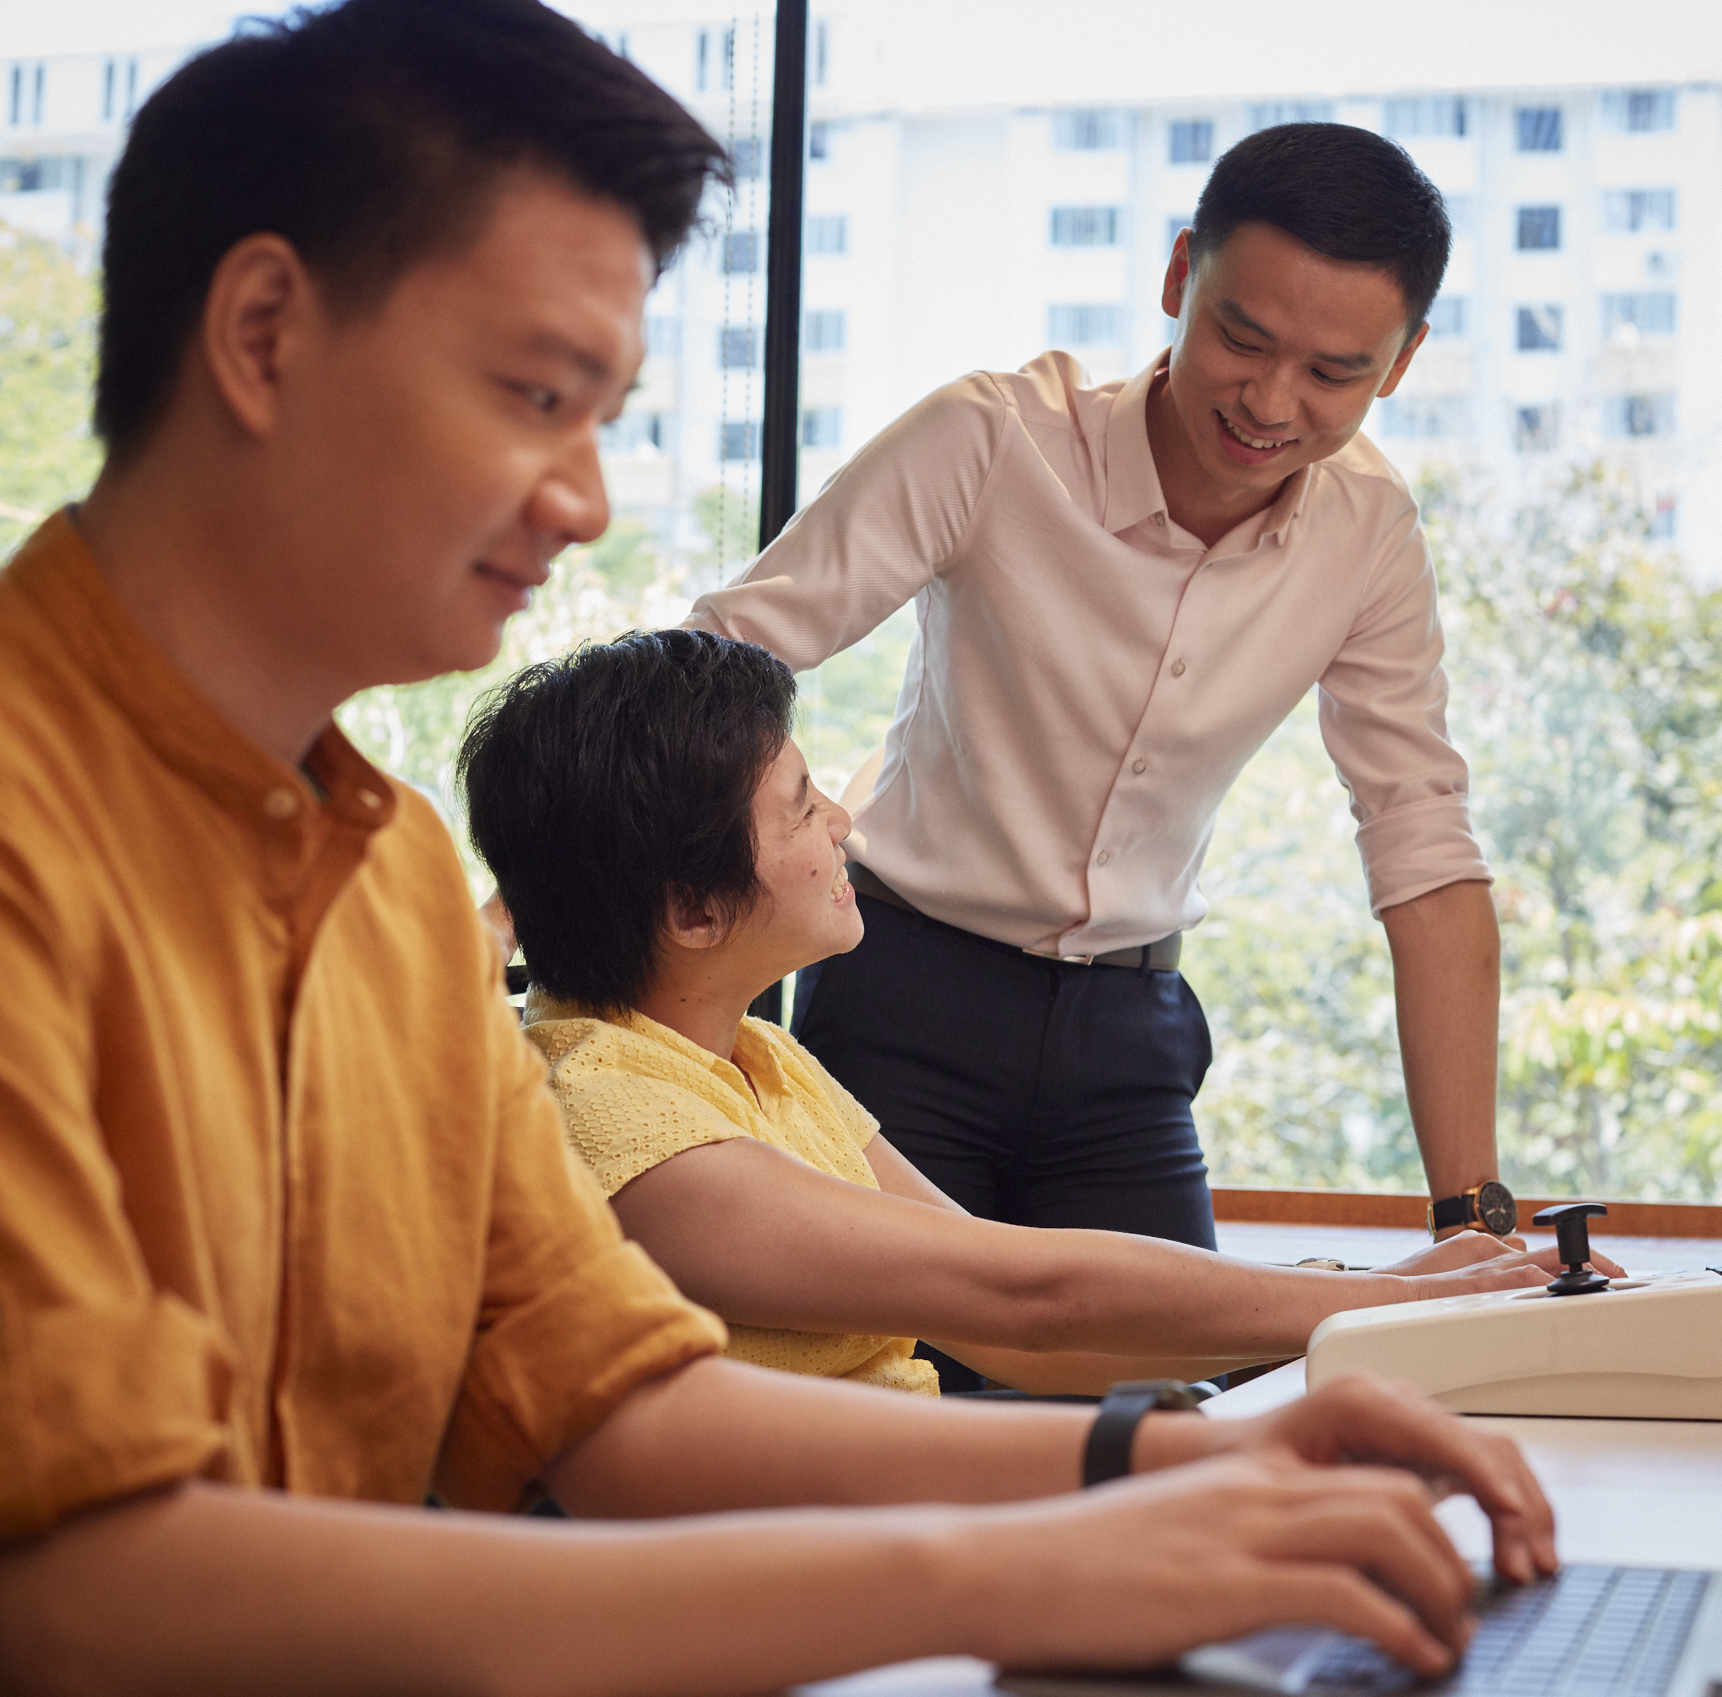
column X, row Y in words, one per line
column 1087, row 678
column 283, row 1198
column 633, row 1093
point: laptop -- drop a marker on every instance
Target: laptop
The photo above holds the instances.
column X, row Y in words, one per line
column 1585, row 1632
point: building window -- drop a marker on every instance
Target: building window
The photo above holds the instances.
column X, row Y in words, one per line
column 1266, row 114
column 32, row 176
column 1539, row 129
column 745, row 158
column 1441, row 115
column 1638, row 209
column 738, row 441
column 824, row 332
column 738, row 347
column 1423, row 417
column 663, row 338
column 1085, row 132
column 131, row 86
column 819, row 140
column 741, row 251
column 1539, row 227
column 1537, row 430
column 108, row 92
column 702, row 59
column 1645, row 313
column 1447, row 315
column 1085, row 226
column 1664, row 518
column 1639, row 415
column 1539, row 329
column 828, row 233
column 15, row 106
column 821, row 53
column 1638, row 108
column 822, row 427
column 1192, row 141
column 1086, row 326
column 714, row 59
column 632, row 432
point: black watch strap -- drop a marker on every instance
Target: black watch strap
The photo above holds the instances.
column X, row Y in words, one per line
column 1114, row 1430
column 1452, row 1211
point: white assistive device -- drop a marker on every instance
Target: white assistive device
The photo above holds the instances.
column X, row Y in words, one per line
column 1634, row 1348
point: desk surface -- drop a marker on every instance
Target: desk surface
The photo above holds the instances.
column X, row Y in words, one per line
column 1645, row 1492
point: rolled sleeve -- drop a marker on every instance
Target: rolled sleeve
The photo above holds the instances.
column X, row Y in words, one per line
column 573, row 1317
column 108, row 1386
column 1384, row 719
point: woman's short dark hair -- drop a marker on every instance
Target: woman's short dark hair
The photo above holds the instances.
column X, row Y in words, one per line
column 603, row 785
column 1348, row 193
column 370, row 135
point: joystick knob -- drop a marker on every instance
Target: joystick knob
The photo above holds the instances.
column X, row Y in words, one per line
column 1572, row 1234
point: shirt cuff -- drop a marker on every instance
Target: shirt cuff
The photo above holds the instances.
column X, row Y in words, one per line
column 549, row 1372
column 1424, row 845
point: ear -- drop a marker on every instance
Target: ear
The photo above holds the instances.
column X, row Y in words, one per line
column 1177, row 276
column 692, row 925
column 1397, row 369
column 261, row 301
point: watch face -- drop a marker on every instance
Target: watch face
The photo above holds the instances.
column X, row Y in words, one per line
column 1496, row 1208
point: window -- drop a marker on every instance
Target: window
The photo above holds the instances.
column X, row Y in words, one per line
column 822, row 427
column 1539, row 227
column 824, row 333
column 714, row 59
column 663, row 338
column 1442, row 115
column 1539, row 129
column 819, row 141
column 1639, row 415
column 1086, row 326
column 632, row 432
column 821, row 52
column 1423, row 416
column 1539, row 328
column 1537, row 429
column 745, row 156
column 1647, row 313
column 108, row 91
column 828, row 233
column 738, row 347
column 1085, row 132
column 32, row 176
column 1664, row 518
column 1638, row 108
column 1447, row 314
column 1638, row 209
column 1192, row 141
column 1085, row 226
column 741, row 252
column 1264, row 115
column 738, row 441
column 15, row 106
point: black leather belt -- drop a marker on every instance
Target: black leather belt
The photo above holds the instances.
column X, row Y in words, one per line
column 1161, row 956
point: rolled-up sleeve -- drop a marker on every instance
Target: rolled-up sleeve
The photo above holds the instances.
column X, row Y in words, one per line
column 888, row 523
column 108, row 1385
column 573, row 1316
column 1384, row 718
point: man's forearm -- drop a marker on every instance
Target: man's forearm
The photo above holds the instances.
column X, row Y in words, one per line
column 1447, row 982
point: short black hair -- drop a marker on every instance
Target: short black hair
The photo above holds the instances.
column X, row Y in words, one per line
column 370, row 135
column 1348, row 193
column 603, row 785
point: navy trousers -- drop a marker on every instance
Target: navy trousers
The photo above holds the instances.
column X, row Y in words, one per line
column 1028, row 1090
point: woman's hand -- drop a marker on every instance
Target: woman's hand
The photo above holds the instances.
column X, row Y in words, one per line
column 1360, row 1419
column 1136, row 1572
column 1473, row 1251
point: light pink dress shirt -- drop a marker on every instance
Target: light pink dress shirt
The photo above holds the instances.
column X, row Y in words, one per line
column 1087, row 680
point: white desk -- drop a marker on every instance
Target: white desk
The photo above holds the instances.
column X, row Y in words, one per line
column 1646, row 1492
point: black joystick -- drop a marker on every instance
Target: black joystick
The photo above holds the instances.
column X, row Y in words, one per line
column 1573, row 1236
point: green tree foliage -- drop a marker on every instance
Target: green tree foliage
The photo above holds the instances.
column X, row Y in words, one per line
column 1587, row 694
column 47, row 361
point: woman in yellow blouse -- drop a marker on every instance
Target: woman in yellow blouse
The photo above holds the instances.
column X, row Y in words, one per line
column 665, row 857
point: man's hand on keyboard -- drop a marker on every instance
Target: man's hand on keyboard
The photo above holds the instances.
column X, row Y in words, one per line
column 1360, row 1419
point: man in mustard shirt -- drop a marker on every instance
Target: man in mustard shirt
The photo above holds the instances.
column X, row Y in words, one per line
column 287, row 1237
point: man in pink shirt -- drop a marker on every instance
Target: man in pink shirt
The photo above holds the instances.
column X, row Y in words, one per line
column 1120, row 592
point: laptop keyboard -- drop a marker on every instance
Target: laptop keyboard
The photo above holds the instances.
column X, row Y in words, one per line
column 1587, row 1632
